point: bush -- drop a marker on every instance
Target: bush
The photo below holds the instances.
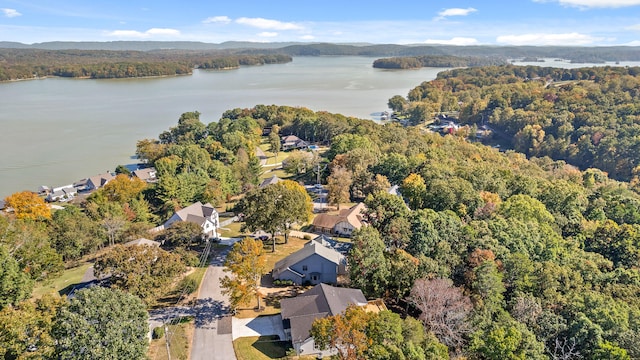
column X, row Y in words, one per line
column 282, row 283
column 190, row 258
column 188, row 285
column 158, row 332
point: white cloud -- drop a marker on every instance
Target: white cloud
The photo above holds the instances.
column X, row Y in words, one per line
column 594, row 3
column 268, row 24
column 10, row 13
column 453, row 41
column 548, row 39
column 217, row 19
column 268, row 34
column 145, row 34
column 633, row 27
column 455, row 12
column 307, row 37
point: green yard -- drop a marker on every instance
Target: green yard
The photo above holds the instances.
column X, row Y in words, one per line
column 63, row 284
column 260, row 348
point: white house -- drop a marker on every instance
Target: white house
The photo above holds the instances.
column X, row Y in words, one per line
column 204, row 215
column 62, row 193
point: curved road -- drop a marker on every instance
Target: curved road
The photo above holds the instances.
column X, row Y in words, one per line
column 212, row 338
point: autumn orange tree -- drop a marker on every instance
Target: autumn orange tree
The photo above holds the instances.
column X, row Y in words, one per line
column 28, row 205
column 247, row 263
column 123, row 188
column 345, row 333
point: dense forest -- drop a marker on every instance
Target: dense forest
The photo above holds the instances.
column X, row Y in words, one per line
column 588, row 117
column 497, row 255
column 17, row 64
column 580, row 54
column 416, row 62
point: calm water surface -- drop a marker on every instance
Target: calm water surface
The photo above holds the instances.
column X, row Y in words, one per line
column 57, row 131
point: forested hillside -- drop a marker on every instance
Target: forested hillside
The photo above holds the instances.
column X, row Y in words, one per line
column 497, row 255
column 17, row 64
column 416, row 62
column 589, row 117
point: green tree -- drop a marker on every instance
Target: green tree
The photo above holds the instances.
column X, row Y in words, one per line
column 338, row 185
column 368, row 268
column 144, row 271
column 25, row 330
column 397, row 103
column 74, row 234
column 180, row 234
column 15, row 285
column 276, row 207
column 101, row 323
column 247, row 263
column 274, row 141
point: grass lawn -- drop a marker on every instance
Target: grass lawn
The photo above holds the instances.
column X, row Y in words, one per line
column 231, row 230
column 180, row 336
column 260, row 348
column 65, row 282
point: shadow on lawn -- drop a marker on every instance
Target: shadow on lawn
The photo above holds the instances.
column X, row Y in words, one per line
column 272, row 347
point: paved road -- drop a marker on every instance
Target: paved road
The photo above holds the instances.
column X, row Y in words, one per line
column 212, row 338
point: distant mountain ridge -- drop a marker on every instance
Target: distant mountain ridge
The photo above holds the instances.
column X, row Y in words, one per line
column 573, row 53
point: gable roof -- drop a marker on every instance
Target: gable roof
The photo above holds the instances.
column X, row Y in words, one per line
column 142, row 241
column 146, row 174
column 272, row 180
column 352, row 215
column 310, row 248
column 196, row 212
column 100, row 180
column 321, row 301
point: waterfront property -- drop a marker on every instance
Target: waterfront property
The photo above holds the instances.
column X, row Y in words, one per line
column 205, row 216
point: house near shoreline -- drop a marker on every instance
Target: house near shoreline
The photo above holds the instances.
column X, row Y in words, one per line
column 343, row 223
column 299, row 313
column 62, row 193
column 205, row 216
column 313, row 264
column 146, row 174
column 291, row 142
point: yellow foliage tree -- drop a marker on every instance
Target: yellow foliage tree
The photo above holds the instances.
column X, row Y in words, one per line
column 123, row 189
column 28, row 205
column 247, row 263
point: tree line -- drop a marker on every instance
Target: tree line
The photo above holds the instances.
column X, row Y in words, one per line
column 497, row 255
column 416, row 62
column 585, row 116
column 17, row 64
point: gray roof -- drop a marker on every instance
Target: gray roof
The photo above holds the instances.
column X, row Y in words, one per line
column 310, row 248
column 145, row 174
column 272, row 180
column 321, row 301
column 142, row 241
column 196, row 212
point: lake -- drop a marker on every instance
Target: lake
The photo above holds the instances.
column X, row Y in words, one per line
column 56, row 131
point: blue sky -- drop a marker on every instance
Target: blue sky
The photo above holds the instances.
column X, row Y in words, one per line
column 503, row 22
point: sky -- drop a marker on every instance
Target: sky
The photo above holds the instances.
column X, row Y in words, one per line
column 486, row 22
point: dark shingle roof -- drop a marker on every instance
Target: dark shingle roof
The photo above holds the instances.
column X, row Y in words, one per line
column 321, row 301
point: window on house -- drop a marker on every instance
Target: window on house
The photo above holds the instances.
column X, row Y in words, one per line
column 304, row 268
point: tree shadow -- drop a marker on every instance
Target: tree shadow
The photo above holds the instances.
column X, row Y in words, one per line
column 272, row 347
column 208, row 310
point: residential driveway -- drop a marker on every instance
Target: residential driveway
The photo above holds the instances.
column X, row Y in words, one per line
column 212, row 338
column 260, row 326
